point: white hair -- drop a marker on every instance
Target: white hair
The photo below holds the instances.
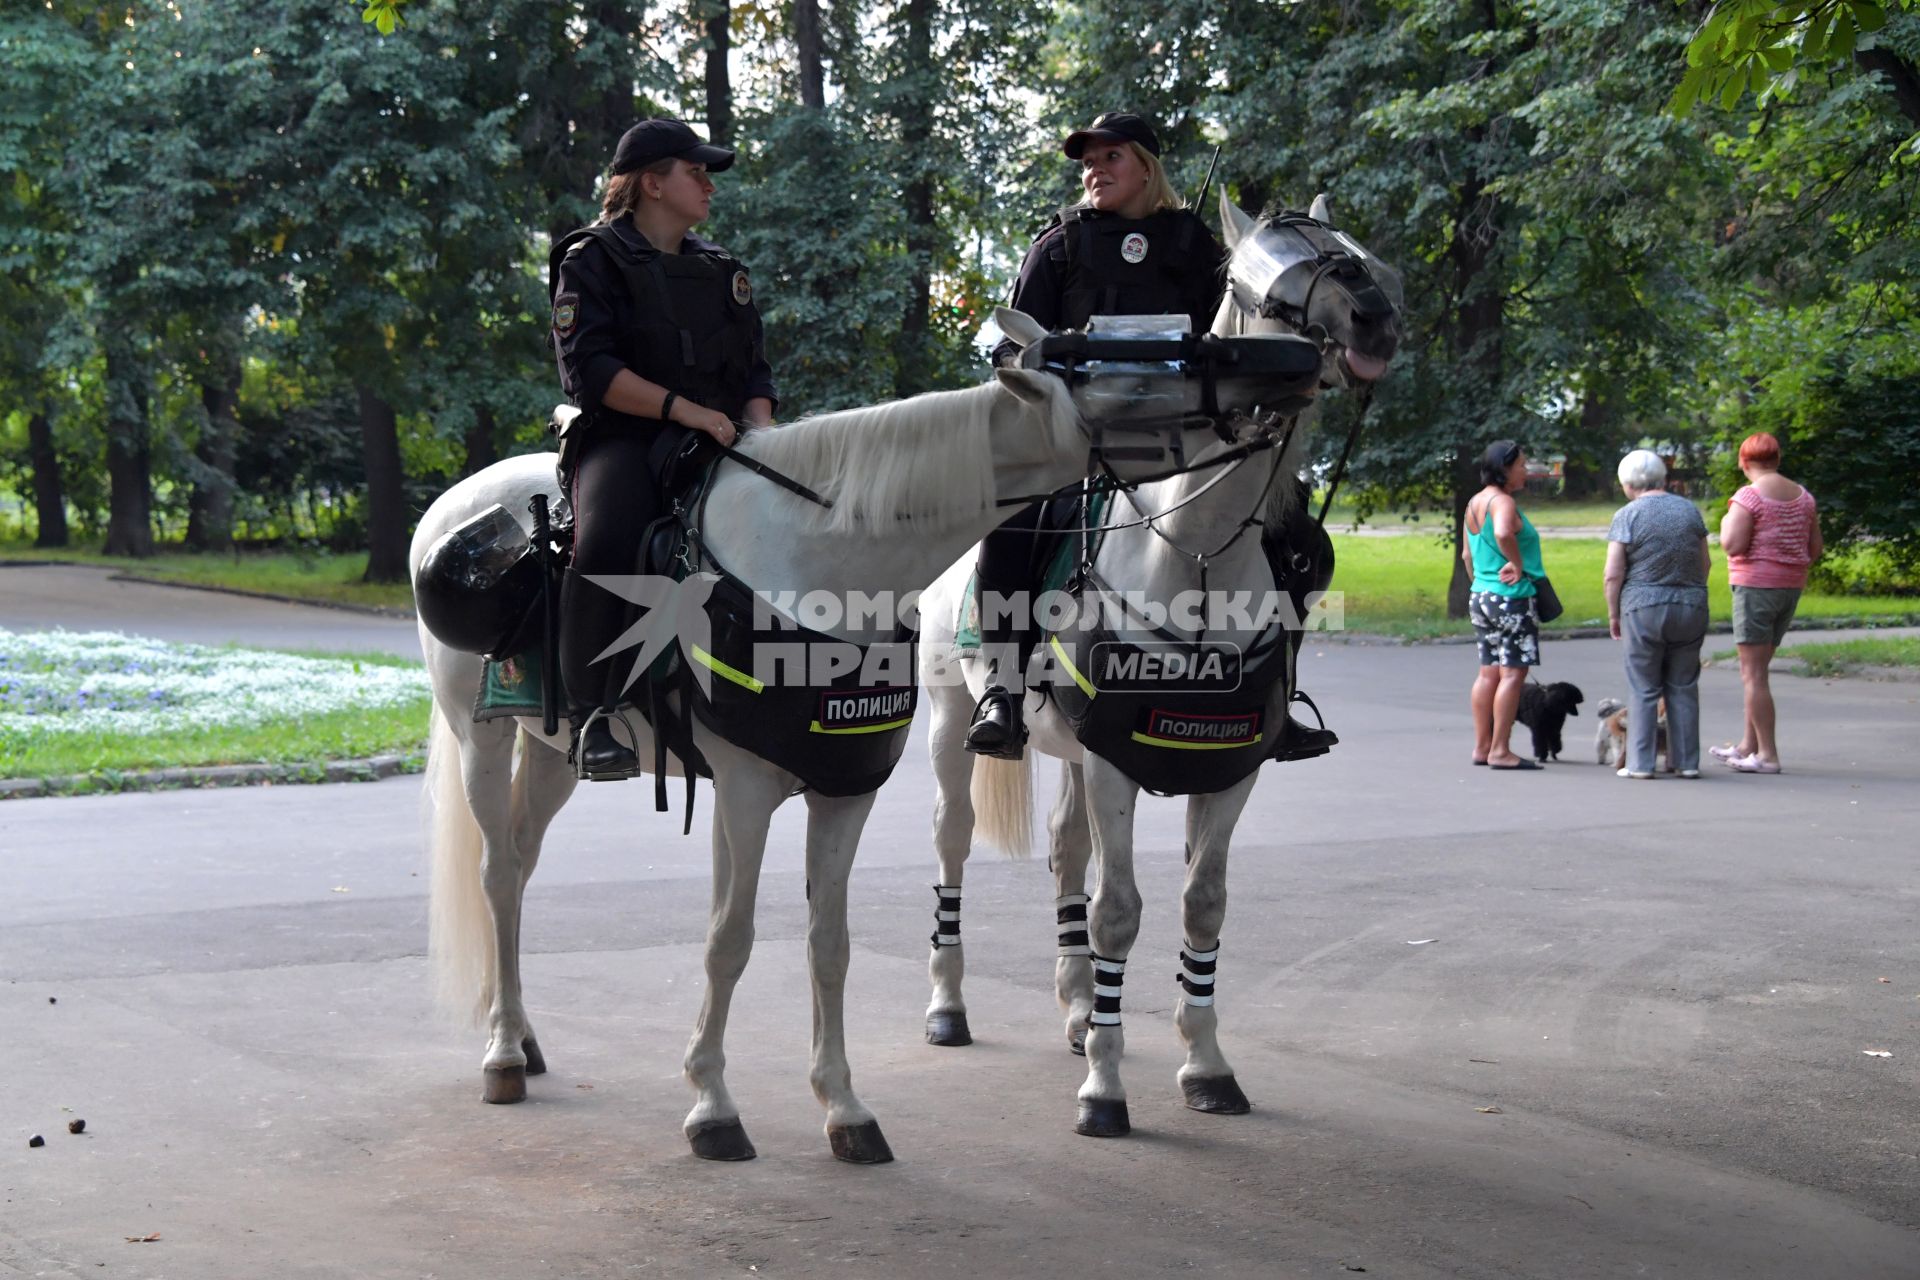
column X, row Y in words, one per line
column 1643, row 470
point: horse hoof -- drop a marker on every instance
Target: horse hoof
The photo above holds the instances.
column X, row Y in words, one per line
column 504, row 1084
column 1100, row 1118
column 721, row 1140
column 1216, row 1095
column 861, row 1143
column 536, row 1063
column 948, row 1029
column 1077, row 1044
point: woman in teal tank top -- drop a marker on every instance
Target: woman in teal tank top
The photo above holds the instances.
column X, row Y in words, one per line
column 1502, row 551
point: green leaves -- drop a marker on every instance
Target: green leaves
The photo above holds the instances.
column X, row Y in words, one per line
column 383, row 14
column 1760, row 45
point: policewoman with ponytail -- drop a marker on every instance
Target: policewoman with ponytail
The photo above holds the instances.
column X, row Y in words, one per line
column 657, row 338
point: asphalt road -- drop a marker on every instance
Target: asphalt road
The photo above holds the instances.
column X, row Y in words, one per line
column 1666, row 990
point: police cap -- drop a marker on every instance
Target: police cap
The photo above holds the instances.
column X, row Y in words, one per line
column 654, row 140
column 1113, row 126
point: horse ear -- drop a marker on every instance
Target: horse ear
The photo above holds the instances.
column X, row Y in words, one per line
column 1234, row 224
column 1019, row 326
column 1025, row 383
column 1319, row 211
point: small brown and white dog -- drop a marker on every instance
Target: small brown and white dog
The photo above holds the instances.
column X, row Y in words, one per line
column 1610, row 738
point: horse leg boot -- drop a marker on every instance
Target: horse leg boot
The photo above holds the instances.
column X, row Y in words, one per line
column 952, row 839
column 745, row 794
column 485, row 764
column 1112, row 925
column 1070, row 845
column 541, row 785
column 833, row 837
column 1206, row 1081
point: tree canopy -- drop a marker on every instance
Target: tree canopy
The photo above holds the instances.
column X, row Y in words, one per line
column 275, row 271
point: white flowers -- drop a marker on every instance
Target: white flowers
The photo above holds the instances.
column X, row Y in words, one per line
column 65, row 682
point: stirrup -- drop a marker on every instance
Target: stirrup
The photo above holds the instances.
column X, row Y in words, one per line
column 577, row 758
column 1297, row 741
column 1015, row 747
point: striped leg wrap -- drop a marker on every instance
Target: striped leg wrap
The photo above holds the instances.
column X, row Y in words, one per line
column 1070, row 912
column 946, row 916
column 1107, row 977
column 1196, row 973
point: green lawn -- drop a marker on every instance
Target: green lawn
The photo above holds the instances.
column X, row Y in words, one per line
column 1844, row 657
column 1398, row 586
column 45, row 748
column 1549, row 513
column 320, row 575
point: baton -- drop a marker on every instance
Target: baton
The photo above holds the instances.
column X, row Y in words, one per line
column 1201, row 199
column 549, row 617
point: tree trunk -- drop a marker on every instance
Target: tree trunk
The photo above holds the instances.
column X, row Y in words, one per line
column 1477, row 347
column 810, row 47
column 210, row 509
column 482, row 452
column 578, row 133
column 386, row 494
column 129, row 457
column 49, row 496
column 910, row 374
column 1582, row 477
column 1900, row 74
column 719, row 86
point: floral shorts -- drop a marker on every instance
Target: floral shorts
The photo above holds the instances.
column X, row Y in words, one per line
column 1508, row 627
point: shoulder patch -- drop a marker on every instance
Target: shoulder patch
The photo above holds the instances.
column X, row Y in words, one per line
column 566, row 313
column 742, row 288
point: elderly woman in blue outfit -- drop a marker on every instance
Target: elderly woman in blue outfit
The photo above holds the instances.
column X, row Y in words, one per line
column 1502, row 552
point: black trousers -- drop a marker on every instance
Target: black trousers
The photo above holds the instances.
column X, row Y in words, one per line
column 615, row 496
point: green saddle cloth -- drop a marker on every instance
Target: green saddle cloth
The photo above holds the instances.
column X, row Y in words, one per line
column 1061, row 566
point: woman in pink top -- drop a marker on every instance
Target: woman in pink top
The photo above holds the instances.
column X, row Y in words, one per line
column 1770, row 534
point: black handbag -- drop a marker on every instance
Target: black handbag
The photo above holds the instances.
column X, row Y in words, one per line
column 1546, row 601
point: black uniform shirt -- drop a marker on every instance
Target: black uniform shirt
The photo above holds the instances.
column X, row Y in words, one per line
column 593, row 349
column 1043, row 282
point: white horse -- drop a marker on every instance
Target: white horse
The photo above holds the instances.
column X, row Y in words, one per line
column 912, row 484
column 1187, row 533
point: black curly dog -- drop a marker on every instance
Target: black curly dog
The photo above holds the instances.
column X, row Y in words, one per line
column 1543, row 709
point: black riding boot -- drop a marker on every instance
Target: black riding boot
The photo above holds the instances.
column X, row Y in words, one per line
column 593, row 618
column 998, row 727
column 1301, row 556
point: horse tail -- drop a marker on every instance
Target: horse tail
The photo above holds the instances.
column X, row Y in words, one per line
column 1002, row 792
column 459, row 923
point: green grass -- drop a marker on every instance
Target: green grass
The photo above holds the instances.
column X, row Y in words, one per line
column 1844, row 657
column 348, row 734
column 336, row 735
column 1546, row 513
column 321, row 575
column 1398, row 586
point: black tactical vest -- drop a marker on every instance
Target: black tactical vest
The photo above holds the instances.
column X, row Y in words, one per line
column 692, row 317
column 1133, row 267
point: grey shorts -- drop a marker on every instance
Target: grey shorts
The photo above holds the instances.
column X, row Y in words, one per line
column 1508, row 628
column 1761, row 614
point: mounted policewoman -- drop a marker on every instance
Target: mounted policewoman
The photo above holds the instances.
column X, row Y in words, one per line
column 657, row 340
column 1131, row 247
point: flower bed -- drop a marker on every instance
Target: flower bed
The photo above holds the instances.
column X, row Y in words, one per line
column 100, row 700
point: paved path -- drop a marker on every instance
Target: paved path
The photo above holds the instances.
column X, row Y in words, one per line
column 1665, row 988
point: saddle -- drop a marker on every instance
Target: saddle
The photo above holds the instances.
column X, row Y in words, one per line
column 832, row 713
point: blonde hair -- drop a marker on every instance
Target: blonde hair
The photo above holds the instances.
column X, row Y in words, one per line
column 1159, row 190
column 623, row 191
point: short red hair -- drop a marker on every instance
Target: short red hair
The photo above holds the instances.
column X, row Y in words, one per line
column 1760, row 448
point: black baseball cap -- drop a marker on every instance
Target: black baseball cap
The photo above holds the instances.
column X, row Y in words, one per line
column 1112, row 126
column 653, row 140
column 1501, row 453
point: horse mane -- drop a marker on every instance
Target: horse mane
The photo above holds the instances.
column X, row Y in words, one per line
column 922, row 462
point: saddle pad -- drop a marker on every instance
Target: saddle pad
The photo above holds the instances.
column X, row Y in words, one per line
column 1062, row 564
column 512, row 687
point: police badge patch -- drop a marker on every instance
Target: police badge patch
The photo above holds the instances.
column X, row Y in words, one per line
column 1134, row 247
column 742, row 290
column 566, row 313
